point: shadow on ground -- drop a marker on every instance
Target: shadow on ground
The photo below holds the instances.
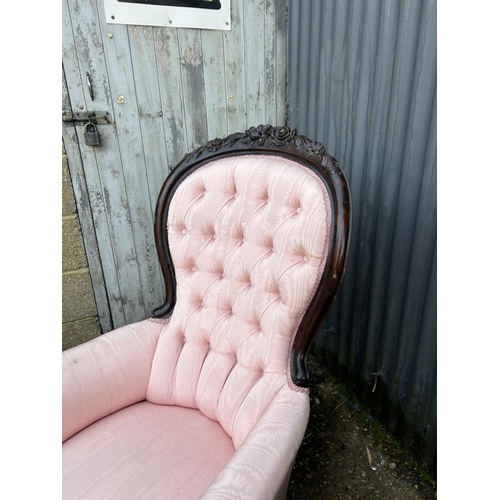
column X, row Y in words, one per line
column 346, row 454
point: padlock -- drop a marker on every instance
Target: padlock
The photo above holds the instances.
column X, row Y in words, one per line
column 91, row 135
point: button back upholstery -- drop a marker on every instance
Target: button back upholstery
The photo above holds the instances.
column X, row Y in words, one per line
column 247, row 262
column 252, row 234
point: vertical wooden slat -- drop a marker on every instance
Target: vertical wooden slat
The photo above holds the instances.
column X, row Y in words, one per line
column 193, row 84
column 145, row 70
column 150, row 116
column 270, row 62
column 171, row 92
column 214, row 69
column 254, row 49
column 235, row 70
column 84, row 211
column 280, row 61
column 140, row 258
column 79, row 58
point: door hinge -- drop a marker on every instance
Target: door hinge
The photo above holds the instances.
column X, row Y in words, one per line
column 83, row 117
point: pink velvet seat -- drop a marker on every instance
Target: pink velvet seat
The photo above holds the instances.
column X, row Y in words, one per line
column 208, row 398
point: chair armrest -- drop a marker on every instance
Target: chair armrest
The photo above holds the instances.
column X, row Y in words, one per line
column 260, row 468
column 107, row 374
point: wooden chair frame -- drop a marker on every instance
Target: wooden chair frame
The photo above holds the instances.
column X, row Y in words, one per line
column 284, row 142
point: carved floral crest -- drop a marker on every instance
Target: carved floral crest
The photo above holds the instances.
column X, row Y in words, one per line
column 269, row 136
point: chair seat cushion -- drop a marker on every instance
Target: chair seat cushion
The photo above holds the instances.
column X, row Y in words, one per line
column 145, row 451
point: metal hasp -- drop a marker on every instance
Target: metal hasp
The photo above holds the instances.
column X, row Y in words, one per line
column 83, row 117
column 89, row 85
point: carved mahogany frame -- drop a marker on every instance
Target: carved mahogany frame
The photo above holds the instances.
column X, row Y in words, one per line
column 284, row 142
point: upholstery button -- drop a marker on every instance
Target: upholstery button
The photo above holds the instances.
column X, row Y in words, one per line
column 214, row 236
column 184, row 339
column 267, row 201
column 184, row 231
column 306, row 259
column 193, row 268
column 236, row 195
column 299, row 210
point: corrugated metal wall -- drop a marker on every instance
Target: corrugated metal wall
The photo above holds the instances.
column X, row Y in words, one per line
column 362, row 80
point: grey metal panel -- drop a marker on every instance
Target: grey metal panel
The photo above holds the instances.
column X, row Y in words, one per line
column 362, row 80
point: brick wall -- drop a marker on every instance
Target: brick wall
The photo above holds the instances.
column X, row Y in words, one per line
column 80, row 322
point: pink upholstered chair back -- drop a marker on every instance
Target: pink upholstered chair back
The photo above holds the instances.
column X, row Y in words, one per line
column 245, row 241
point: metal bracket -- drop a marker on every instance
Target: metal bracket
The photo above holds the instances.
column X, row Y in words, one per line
column 82, row 117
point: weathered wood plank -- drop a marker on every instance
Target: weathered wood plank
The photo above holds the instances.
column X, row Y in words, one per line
column 254, row 49
column 141, row 295
column 235, row 71
column 76, row 52
column 107, row 189
column 72, row 84
column 280, row 60
column 144, row 63
column 171, row 93
column 193, row 84
column 270, row 60
column 143, row 54
column 80, row 25
column 214, row 70
column 72, row 150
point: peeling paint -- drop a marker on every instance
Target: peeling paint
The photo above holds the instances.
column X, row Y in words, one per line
column 137, row 39
column 75, row 6
column 163, row 49
column 192, row 55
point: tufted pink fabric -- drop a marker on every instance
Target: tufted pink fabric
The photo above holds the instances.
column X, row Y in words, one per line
column 248, row 238
column 202, row 403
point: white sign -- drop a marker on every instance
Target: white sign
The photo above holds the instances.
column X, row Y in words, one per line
column 204, row 14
